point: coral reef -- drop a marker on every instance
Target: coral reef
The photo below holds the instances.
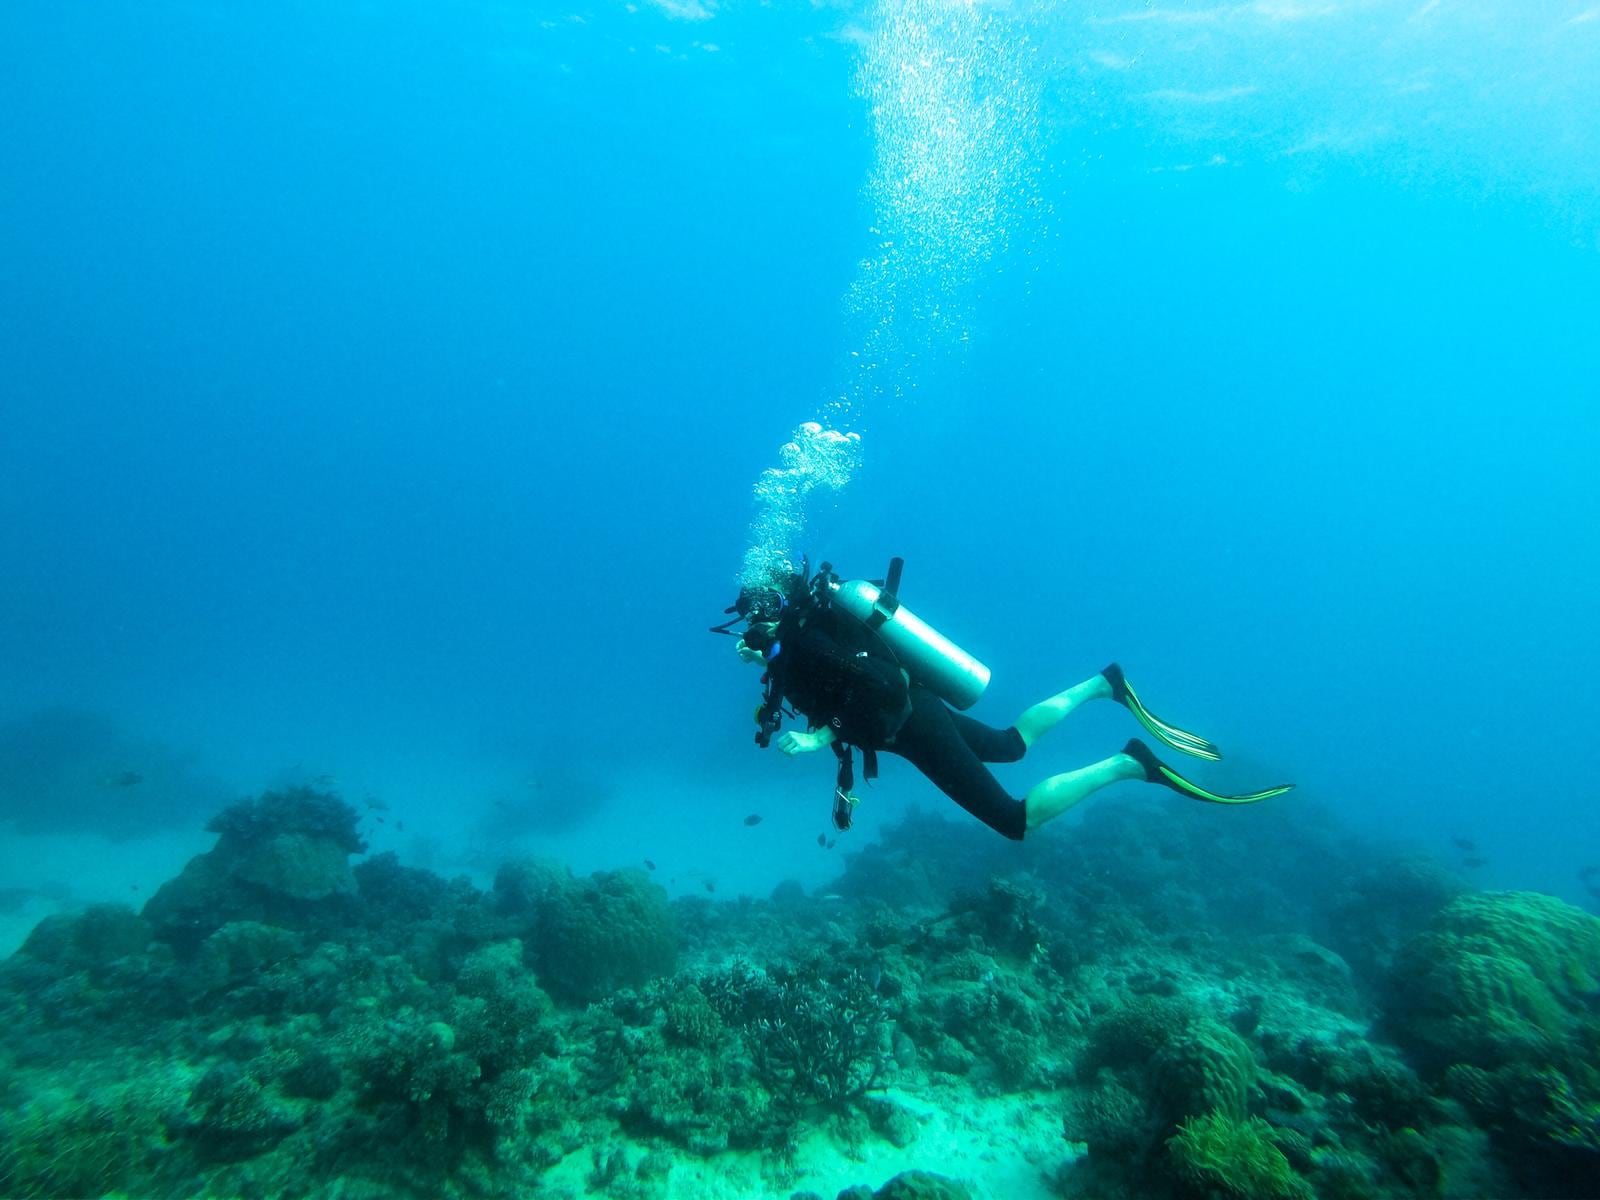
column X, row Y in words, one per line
column 1498, row 978
column 1496, row 999
column 278, row 1022
column 283, row 858
column 590, row 937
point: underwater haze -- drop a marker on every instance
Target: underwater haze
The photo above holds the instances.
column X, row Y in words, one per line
column 391, row 397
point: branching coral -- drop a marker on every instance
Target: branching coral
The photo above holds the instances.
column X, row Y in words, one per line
column 470, row 1079
column 499, row 1011
column 413, row 1067
column 997, row 1018
column 233, row 1117
column 822, row 1041
column 813, row 1038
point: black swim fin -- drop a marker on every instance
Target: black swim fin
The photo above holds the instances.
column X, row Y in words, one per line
column 1179, row 739
column 1155, row 771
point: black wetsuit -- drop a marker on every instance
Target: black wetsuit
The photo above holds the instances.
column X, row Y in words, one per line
column 950, row 748
column 946, row 746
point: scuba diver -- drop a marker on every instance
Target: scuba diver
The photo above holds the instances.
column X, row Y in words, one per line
column 868, row 674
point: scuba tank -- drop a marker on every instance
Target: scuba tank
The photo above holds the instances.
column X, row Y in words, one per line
column 931, row 659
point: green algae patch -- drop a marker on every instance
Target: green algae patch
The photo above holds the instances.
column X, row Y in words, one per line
column 1217, row 1155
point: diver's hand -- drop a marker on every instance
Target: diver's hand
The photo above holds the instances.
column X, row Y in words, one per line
column 749, row 654
column 793, row 743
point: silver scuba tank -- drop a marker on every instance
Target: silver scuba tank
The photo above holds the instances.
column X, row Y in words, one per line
column 932, row 659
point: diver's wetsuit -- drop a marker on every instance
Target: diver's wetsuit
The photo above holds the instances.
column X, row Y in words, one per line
column 947, row 747
column 951, row 748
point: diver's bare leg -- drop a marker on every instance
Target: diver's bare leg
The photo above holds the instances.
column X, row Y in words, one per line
column 1043, row 716
column 1053, row 796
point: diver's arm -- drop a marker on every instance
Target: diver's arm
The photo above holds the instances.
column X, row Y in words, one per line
column 795, row 742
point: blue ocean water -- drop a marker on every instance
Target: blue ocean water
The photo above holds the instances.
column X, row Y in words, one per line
column 384, row 387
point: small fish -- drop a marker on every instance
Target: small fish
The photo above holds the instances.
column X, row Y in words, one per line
column 832, row 842
column 1474, row 862
column 753, row 819
column 711, row 885
column 379, row 820
column 822, row 840
column 125, row 779
column 399, row 826
column 648, row 865
column 376, row 805
column 1466, row 844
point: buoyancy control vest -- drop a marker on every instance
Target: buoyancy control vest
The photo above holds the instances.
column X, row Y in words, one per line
column 845, row 654
column 841, row 674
